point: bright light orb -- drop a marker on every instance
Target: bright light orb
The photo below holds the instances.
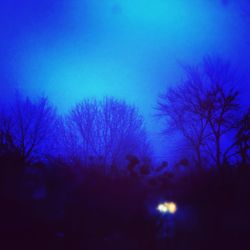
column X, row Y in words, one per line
column 167, row 207
column 162, row 208
column 172, row 208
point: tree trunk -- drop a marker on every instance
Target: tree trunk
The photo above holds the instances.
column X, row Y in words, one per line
column 218, row 152
column 198, row 156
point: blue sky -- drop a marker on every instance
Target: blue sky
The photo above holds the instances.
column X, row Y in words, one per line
column 130, row 49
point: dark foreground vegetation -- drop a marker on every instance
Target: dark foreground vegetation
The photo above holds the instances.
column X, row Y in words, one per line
column 72, row 207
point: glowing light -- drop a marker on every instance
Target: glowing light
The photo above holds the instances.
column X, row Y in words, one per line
column 167, row 207
column 172, row 208
column 162, row 208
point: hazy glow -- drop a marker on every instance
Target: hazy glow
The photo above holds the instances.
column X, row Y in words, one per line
column 70, row 50
column 123, row 48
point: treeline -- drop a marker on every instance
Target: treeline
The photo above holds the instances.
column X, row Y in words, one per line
column 204, row 108
column 104, row 130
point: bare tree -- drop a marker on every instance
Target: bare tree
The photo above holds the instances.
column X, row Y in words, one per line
column 6, row 141
column 31, row 125
column 204, row 107
column 221, row 102
column 240, row 148
column 108, row 129
column 183, row 108
column 243, row 138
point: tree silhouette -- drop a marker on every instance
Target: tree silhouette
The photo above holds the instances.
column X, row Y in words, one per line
column 182, row 108
column 222, row 102
column 240, row 147
column 243, row 138
column 110, row 129
column 203, row 107
column 29, row 125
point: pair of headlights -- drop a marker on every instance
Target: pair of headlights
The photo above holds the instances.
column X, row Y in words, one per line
column 167, row 207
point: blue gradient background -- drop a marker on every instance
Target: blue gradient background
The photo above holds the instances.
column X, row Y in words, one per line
column 129, row 49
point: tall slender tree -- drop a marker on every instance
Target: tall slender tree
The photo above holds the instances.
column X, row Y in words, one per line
column 183, row 108
column 222, row 102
